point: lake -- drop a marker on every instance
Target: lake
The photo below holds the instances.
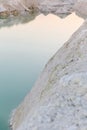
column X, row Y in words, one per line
column 24, row 51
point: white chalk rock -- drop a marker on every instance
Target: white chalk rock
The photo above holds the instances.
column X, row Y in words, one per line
column 47, row 6
column 81, row 8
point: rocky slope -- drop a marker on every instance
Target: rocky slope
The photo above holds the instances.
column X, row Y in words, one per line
column 58, row 101
column 16, row 7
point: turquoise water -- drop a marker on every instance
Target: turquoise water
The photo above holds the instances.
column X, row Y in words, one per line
column 24, row 50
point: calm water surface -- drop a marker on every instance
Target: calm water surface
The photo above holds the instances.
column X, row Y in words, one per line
column 24, row 50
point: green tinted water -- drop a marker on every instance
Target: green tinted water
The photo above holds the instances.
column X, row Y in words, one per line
column 24, row 50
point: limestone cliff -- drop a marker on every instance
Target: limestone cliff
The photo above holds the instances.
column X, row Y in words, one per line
column 16, row 7
column 21, row 11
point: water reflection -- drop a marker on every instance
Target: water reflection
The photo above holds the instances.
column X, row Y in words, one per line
column 24, row 18
column 20, row 19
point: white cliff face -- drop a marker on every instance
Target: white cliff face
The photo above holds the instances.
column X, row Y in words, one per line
column 10, row 7
column 20, row 11
column 56, row 6
column 58, row 101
